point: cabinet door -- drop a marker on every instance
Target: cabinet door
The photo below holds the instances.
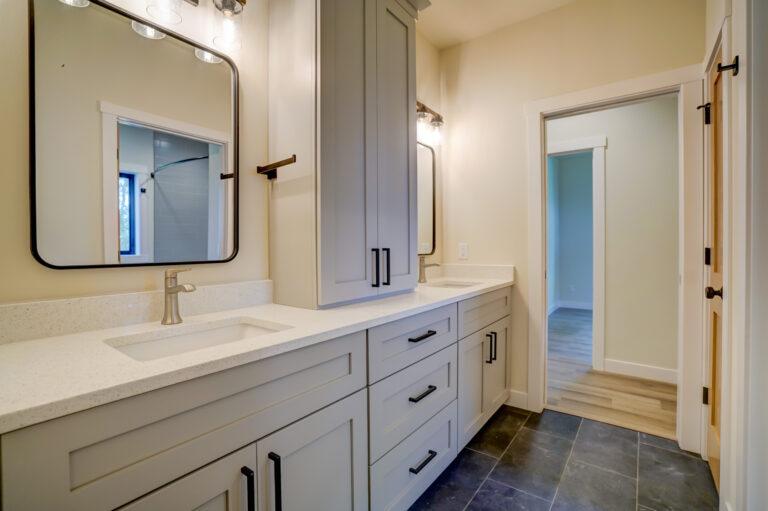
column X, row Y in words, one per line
column 347, row 208
column 318, row 463
column 495, row 373
column 474, row 355
column 224, row 485
column 396, row 146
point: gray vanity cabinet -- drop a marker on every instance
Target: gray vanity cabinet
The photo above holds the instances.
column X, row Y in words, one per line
column 344, row 215
column 228, row 484
column 319, row 462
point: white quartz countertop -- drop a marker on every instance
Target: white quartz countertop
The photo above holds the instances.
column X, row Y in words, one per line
column 47, row 378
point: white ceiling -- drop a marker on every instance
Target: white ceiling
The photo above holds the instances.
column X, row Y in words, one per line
column 449, row 22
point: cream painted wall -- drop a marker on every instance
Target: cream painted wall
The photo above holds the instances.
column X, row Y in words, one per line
column 487, row 82
column 23, row 278
column 91, row 55
column 429, row 91
column 641, row 242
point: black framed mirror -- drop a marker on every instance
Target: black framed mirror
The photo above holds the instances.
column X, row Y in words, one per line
column 426, row 169
column 133, row 141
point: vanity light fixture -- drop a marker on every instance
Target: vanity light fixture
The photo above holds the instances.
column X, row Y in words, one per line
column 207, row 57
column 167, row 12
column 428, row 126
column 229, row 7
column 146, row 31
column 76, row 3
column 228, row 33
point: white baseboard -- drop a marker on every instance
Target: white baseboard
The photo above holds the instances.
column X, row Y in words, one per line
column 641, row 371
column 565, row 304
column 518, row 399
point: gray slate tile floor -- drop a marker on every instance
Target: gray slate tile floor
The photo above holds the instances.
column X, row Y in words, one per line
column 558, row 462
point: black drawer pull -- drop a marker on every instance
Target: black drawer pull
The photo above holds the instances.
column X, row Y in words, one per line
column 389, row 268
column 249, row 480
column 278, row 481
column 420, row 338
column 424, row 394
column 416, row 470
column 495, row 345
column 490, row 349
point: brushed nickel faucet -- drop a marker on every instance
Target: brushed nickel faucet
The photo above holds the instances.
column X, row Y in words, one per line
column 422, row 269
column 171, row 314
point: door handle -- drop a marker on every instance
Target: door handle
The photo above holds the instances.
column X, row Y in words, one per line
column 490, row 349
column 249, row 480
column 278, row 481
column 711, row 292
column 420, row 467
column 389, row 269
column 430, row 389
column 377, row 267
column 420, row 338
column 494, row 346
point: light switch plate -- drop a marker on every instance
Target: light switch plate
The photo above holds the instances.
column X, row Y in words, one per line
column 463, row 250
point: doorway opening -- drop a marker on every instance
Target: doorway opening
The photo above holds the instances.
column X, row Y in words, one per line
column 612, row 239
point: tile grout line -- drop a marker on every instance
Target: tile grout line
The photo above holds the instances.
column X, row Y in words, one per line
column 489, row 478
column 565, row 467
column 477, row 490
column 637, row 485
column 676, row 451
column 603, row 469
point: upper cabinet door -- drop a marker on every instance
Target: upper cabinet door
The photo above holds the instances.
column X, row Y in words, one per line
column 347, row 157
column 396, row 146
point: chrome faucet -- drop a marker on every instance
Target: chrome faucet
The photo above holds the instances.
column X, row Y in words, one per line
column 171, row 314
column 422, row 269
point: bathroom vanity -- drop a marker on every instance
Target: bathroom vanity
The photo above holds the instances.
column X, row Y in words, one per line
column 359, row 407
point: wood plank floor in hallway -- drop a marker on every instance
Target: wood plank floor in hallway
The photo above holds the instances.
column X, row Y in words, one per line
column 573, row 387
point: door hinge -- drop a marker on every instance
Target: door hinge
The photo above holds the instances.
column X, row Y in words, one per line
column 705, row 395
column 707, row 256
column 730, row 67
column 707, row 112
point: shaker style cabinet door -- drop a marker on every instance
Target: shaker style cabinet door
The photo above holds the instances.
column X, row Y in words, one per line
column 495, row 373
column 396, row 79
column 319, row 463
column 474, row 354
column 228, row 484
column 347, row 208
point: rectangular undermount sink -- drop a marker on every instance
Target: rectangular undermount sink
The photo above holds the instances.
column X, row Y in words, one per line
column 174, row 340
column 452, row 283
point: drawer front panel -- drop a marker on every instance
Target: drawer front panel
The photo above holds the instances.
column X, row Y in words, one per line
column 397, row 345
column 108, row 455
column 479, row 312
column 403, row 402
column 394, row 486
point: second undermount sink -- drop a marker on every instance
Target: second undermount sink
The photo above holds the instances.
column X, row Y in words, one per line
column 174, row 340
column 452, row 283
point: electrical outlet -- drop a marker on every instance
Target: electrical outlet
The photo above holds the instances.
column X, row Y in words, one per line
column 463, row 250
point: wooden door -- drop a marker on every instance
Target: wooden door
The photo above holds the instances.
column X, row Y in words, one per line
column 495, row 373
column 396, row 95
column 348, row 202
column 474, row 353
column 319, row 463
column 714, row 291
column 224, row 485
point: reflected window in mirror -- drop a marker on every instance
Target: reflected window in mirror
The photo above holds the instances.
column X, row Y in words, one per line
column 135, row 145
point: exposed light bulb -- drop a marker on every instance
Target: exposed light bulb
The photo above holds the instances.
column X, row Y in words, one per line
column 207, row 57
column 165, row 11
column 428, row 133
column 76, row 3
column 229, row 7
column 146, row 31
column 228, row 38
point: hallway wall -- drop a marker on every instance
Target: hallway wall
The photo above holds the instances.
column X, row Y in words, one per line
column 641, row 227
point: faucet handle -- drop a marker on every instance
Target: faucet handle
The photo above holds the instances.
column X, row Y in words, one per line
column 172, row 272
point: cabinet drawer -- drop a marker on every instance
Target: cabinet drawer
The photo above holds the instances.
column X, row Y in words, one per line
column 406, row 400
column 221, row 486
column 397, row 345
column 480, row 311
column 111, row 454
column 394, row 486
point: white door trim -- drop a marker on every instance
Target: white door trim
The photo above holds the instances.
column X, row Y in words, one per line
column 597, row 145
column 687, row 82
